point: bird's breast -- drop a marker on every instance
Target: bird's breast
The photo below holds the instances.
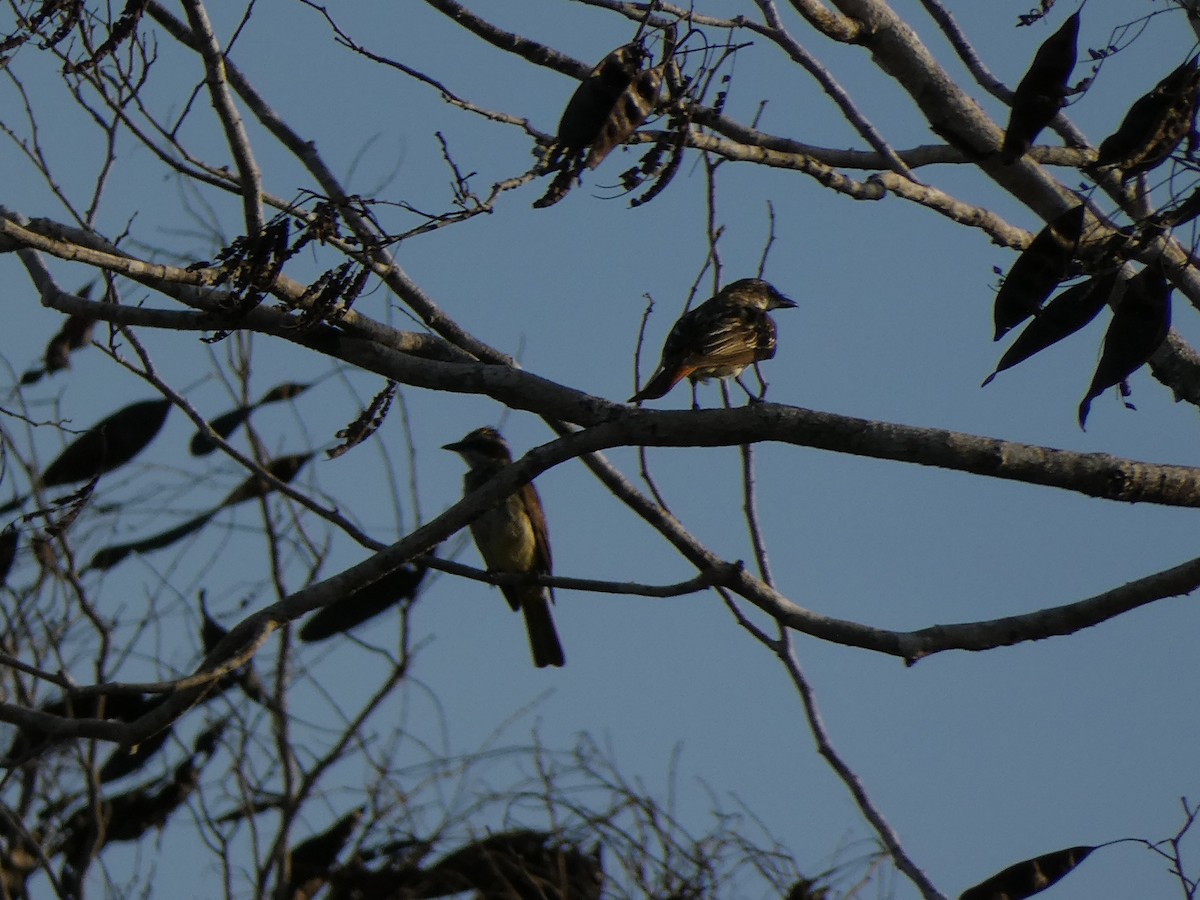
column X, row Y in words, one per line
column 505, row 537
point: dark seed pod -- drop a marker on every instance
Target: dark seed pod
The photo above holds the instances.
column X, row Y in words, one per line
column 632, row 108
column 592, row 103
column 1038, row 270
column 1155, row 125
column 1028, row 877
column 1042, row 92
column 1138, row 328
column 108, row 444
column 364, row 604
column 1061, row 317
column 312, row 859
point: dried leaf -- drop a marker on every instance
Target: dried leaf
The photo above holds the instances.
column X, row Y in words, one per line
column 209, row 739
column 520, row 863
column 367, row 423
column 121, row 707
column 75, row 334
column 126, row 760
column 246, row 677
column 284, row 468
column 107, row 557
column 128, row 816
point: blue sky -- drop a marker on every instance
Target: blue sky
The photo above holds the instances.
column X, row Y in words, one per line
column 977, row 760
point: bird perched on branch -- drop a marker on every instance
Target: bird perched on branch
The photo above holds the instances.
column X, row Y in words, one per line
column 512, row 537
column 719, row 338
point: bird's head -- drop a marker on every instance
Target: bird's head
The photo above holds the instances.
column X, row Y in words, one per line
column 757, row 293
column 482, row 446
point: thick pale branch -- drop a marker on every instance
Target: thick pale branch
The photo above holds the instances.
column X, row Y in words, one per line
column 777, row 32
column 1097, row 475
column 613, row 425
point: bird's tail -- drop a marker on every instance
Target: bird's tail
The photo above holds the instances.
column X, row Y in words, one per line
column 543, row 636
column 658, row 386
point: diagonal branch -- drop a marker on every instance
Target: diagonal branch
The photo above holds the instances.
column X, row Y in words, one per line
column 231, row 120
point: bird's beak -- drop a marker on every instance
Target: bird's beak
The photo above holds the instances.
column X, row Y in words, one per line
column 456, row 446
column 782, row 302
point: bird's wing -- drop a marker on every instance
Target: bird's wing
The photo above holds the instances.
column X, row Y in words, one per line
column 735, row 337
column 542, row 562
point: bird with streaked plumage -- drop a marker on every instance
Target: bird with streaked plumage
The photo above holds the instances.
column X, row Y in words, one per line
column 719, row 339
column 512, row 537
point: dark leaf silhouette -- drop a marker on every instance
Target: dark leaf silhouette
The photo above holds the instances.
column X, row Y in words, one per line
column 1029, row 877
column 363, row 604
column 246, row 677
column 807, row 889
column 107, row 557
column 1042, row 92
column 1060, row 318
column 312, row 859
column 107, row 445
column 76, row 333
column 125, row 760
column 127, row 816
column 1138, row 328
column 289, row 390
column 1155, row 124
column 10, row 539
column 224, row 425
column 519, row 863
column 227, row 423
column 1038, row 270
column 1179, row 214
column 209, row 739
column 285, row 468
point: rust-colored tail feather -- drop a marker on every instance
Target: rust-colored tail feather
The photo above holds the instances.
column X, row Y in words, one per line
column 661, row 383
